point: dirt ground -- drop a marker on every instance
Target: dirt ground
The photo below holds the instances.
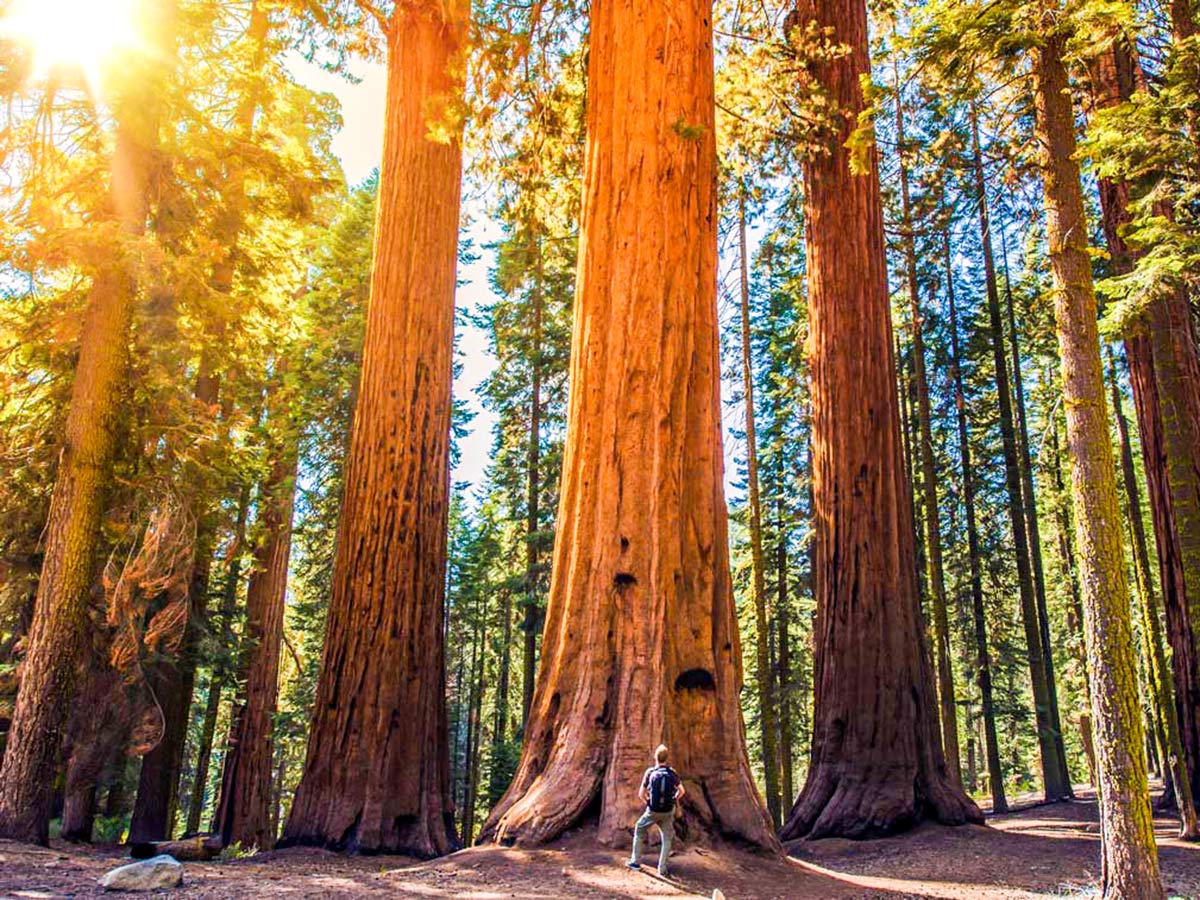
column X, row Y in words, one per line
column 1043, row 851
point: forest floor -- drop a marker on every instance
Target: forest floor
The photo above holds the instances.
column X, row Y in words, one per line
column 1039, row 851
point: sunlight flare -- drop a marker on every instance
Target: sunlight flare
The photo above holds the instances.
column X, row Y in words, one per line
column 82, row 34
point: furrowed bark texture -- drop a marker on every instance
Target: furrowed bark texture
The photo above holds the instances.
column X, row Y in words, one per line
column 377, row 774
column 1130, row 857
column 76, row 506
column 877, row 764
column 641, row 643
column 1165, row 378
column 244, row 811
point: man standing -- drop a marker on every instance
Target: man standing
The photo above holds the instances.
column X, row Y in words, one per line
column 660, row 789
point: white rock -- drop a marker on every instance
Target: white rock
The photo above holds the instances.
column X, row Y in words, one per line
column 154, row 874
column 718, row 894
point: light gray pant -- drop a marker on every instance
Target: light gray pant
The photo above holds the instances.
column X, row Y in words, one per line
column 666, row 824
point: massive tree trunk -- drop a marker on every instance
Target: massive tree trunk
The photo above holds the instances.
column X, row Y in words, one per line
column 641, row 640
column 377, row 774
column 877, row 764
column 48, row 670
column 1165, row 378
column 1055, row 778
column 1130, row 857
column 244, row 811
column 983, row 657
column 933, row 534
column 765, row 679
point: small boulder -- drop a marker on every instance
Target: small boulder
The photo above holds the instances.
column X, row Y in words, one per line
column 718, row 894
column 154, row 874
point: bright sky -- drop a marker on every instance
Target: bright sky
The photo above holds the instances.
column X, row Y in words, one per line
column 359, row 146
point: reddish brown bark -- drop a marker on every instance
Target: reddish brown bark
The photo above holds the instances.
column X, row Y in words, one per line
column 641, row 641
column 1165, row 379
column 243, row 813
column 877, row 764
column 377, row 774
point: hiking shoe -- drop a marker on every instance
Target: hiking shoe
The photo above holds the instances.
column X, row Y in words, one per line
column 631, row 864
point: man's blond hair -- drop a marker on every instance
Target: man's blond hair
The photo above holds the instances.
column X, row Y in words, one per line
column 660, row 754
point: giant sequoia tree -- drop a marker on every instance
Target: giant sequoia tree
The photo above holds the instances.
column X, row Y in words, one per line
column 376, row 777
column 877, row 762
column 641, row 642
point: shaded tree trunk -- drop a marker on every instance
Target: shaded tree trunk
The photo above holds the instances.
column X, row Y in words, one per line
column 376, row 780
column 877, row 764
column 1056, row 780
column 243, row 813
column 983, row 657
column 766, row 686
column 935, row 573
column 533, row 617
column 84, row 475
column 212, row 708
column 1029, row 506
column 642, row 530
column 1130, row 857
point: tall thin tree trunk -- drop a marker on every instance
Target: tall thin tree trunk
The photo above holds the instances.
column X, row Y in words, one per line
column 233, row 578
column 783, row 611
column 642, row 530
column 374, row 780
column 933, row 535
column 1056, row 780
column 766, row 686
column 983, row 657
column 81, row 484
column 243, row 813
column 1029, row 505
column 877, row 762
column 533, row 615
column 1130, row 869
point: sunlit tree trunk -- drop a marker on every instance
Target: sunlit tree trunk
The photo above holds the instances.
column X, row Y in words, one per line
column 377, row 774
column 877, row 764
column 82, row 481
column 1130, row 857
column 642, row 531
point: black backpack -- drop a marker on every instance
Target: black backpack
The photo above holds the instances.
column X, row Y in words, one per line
column 663, row 782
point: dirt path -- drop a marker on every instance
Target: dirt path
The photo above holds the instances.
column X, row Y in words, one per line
column 1047, row 851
